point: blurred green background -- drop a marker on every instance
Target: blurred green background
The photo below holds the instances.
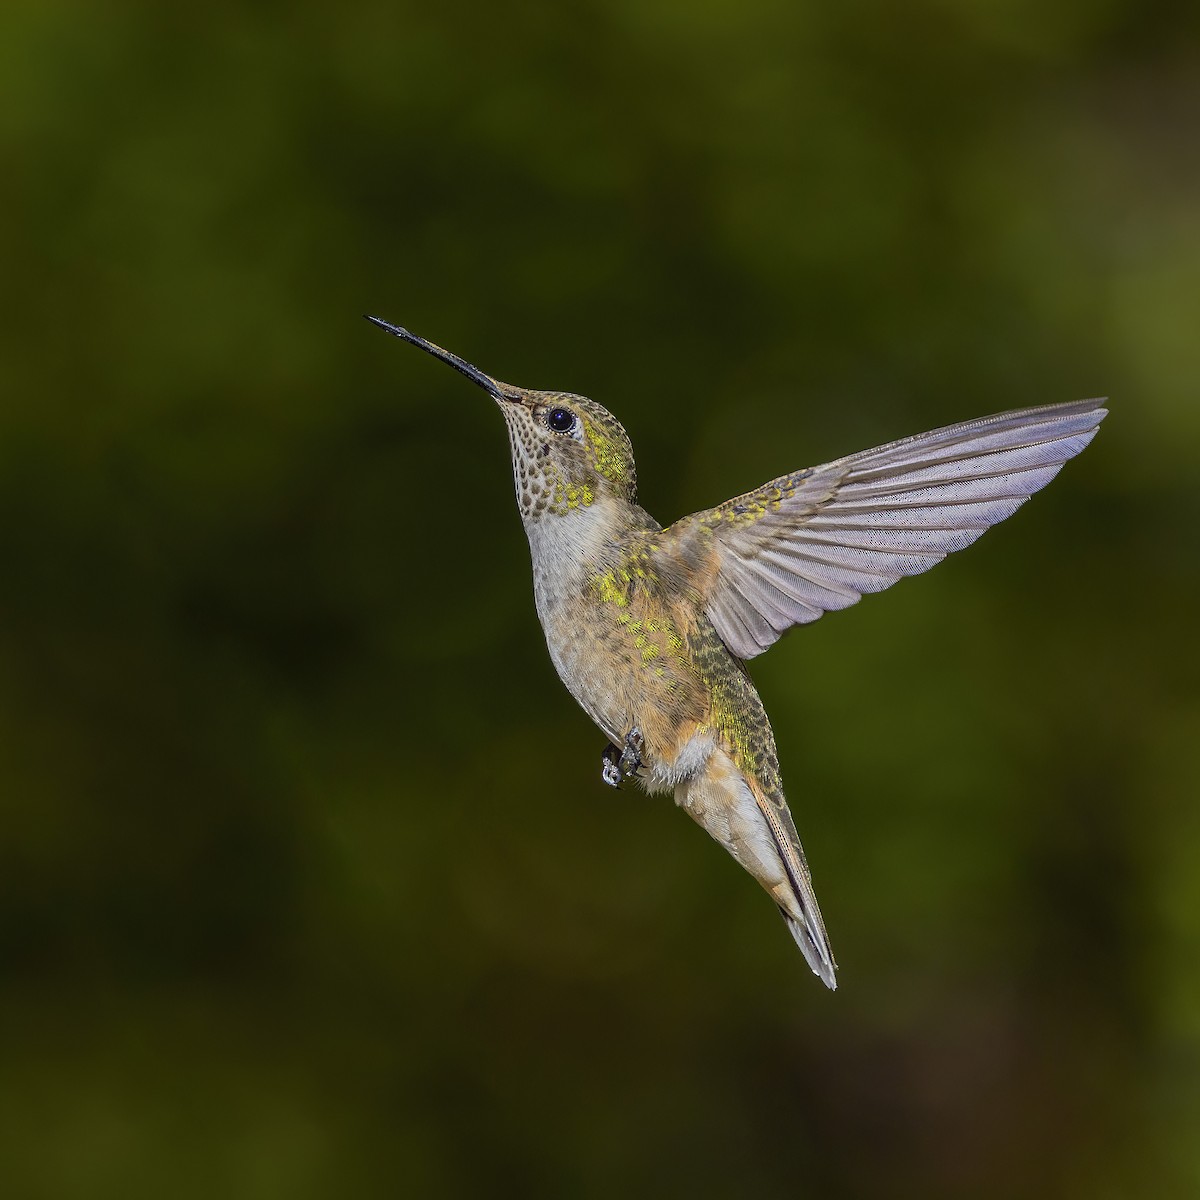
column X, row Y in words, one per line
column 309, row 886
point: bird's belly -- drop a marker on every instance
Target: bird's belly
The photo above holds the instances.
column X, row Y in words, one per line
column 626, row 674
column 599, row 672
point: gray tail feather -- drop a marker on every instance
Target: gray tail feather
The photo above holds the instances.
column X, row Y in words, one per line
column 815, row 948
column 803, row 915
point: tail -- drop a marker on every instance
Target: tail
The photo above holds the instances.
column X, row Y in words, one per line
column 809, row 932
column 797, row 902
column 755, row 826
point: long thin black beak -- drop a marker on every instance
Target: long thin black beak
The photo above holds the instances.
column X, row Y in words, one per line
column 493, row 387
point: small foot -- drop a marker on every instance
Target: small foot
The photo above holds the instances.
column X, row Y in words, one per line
column 610, row 766
column 617, row 765
column 631, row 756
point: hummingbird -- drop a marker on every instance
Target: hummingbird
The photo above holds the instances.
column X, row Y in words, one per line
column 650, row 628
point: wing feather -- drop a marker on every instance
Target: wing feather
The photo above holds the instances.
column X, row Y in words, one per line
column 818, row 540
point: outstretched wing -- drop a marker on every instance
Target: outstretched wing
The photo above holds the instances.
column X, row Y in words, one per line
column 820, row 539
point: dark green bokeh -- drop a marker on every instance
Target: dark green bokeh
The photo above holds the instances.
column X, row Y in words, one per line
column 308, row 883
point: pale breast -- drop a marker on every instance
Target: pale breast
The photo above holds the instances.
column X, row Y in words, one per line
column 620, row 653
column 588, row 650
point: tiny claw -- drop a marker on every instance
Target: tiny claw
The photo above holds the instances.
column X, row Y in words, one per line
column 610, row 766
column 631, row 755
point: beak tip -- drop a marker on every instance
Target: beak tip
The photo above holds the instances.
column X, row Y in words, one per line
column 476, row 376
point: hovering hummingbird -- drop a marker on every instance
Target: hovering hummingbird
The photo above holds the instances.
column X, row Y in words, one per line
column 650, row 628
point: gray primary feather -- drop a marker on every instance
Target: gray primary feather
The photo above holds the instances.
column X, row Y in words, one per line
column 818, row 540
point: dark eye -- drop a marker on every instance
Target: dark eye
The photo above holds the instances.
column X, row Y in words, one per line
column 561, row 420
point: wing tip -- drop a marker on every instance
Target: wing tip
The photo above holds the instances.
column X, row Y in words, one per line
column 1093, row 410
column 1097, row 407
